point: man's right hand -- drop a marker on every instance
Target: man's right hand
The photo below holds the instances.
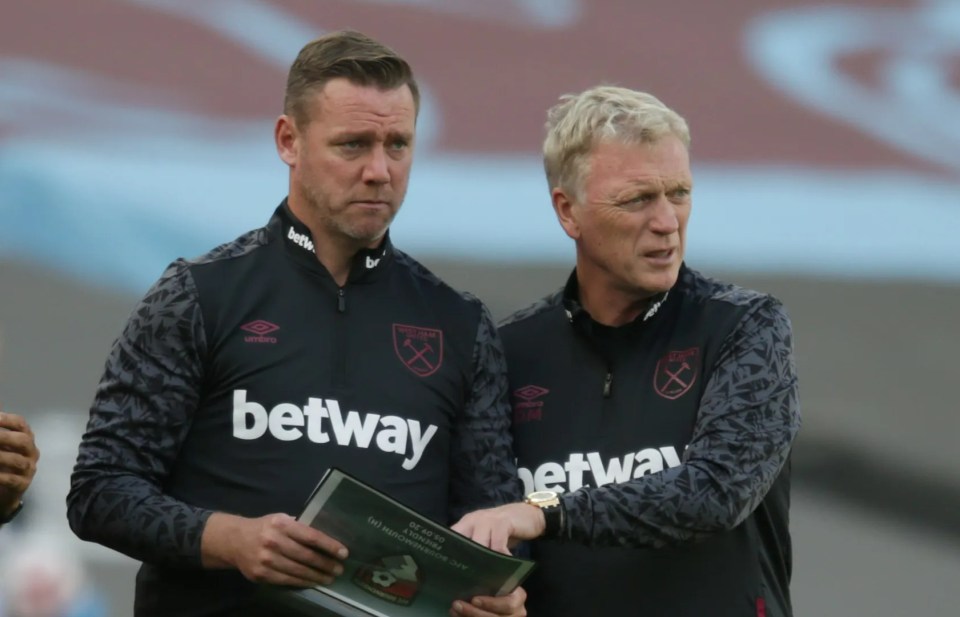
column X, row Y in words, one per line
column 275, row 549
column 501, row 527
column 18, row 461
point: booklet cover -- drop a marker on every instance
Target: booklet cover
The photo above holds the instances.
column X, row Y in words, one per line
column 401, row 563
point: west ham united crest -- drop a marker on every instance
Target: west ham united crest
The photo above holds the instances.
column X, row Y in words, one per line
column 420, row 349
column 676, row 373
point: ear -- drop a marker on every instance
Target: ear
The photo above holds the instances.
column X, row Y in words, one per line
column 287, row 139
column 566, row 211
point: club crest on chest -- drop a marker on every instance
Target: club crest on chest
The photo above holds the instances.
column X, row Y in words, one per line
column 419, row 349
column 676, row 373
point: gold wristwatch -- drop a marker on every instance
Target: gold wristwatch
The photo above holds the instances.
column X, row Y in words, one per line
column 549, row 503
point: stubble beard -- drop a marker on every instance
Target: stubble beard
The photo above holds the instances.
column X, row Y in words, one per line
column 361, row 233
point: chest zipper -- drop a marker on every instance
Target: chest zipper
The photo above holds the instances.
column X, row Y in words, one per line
column 340, row 342
column 608, row 384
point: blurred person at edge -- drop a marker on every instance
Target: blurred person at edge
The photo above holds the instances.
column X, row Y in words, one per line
column 18, row 464
column 193, row 461
column 654, row 408
column 41, row 579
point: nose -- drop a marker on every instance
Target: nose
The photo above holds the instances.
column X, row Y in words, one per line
column 665, row 220
column 376, row 170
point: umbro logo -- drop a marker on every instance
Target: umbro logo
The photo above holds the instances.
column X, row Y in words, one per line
column 259, row 330
column 526, row 407
column 529, row 393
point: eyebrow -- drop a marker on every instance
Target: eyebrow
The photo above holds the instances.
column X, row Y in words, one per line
column 405, row 135
column 642, row 186
column 368, row 134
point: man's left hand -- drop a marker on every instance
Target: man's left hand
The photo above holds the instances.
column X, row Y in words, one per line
column 510, row 605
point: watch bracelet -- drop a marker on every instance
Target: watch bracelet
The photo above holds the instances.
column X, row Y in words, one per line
column 558, row 515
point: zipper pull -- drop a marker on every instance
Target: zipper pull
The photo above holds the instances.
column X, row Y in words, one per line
column 607, row 384
column 341, row 300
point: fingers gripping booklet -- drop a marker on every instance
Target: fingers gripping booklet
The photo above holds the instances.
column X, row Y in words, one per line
column 401, row 563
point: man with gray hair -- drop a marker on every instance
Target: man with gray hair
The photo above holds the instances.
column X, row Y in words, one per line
column 654, row 408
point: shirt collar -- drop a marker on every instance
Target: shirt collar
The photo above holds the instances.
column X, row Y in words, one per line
column 299, row 243
column 581, row 319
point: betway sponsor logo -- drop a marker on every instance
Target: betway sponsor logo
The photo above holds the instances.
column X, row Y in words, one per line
column 321, row 421
column 302, row 240
column 589, row 468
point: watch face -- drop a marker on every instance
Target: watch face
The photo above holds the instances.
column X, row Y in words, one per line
column 542, row 496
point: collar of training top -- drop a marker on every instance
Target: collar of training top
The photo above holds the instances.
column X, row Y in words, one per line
column 299, row 242
column 584, row 322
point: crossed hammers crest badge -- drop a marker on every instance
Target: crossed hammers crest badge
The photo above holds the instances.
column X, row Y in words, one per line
column 420, row 349
column 676, row 372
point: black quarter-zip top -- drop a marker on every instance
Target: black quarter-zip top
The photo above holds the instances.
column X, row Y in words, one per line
column 669, row 439
column 244, row 374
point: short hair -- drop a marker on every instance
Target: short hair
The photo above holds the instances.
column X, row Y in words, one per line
column 349, row 54
column 578, row 122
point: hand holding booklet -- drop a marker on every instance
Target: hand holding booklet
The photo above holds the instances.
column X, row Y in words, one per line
column 401, row 563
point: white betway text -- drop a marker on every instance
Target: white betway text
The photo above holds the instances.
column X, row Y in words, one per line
column 582, row 468
column 301, row 240
column 321, row 421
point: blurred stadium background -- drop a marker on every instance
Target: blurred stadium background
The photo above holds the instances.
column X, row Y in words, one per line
column 826, row 158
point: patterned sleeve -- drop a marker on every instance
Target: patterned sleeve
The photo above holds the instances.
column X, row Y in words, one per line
column 139, row 418
column 483, row 466
column 748, row 418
